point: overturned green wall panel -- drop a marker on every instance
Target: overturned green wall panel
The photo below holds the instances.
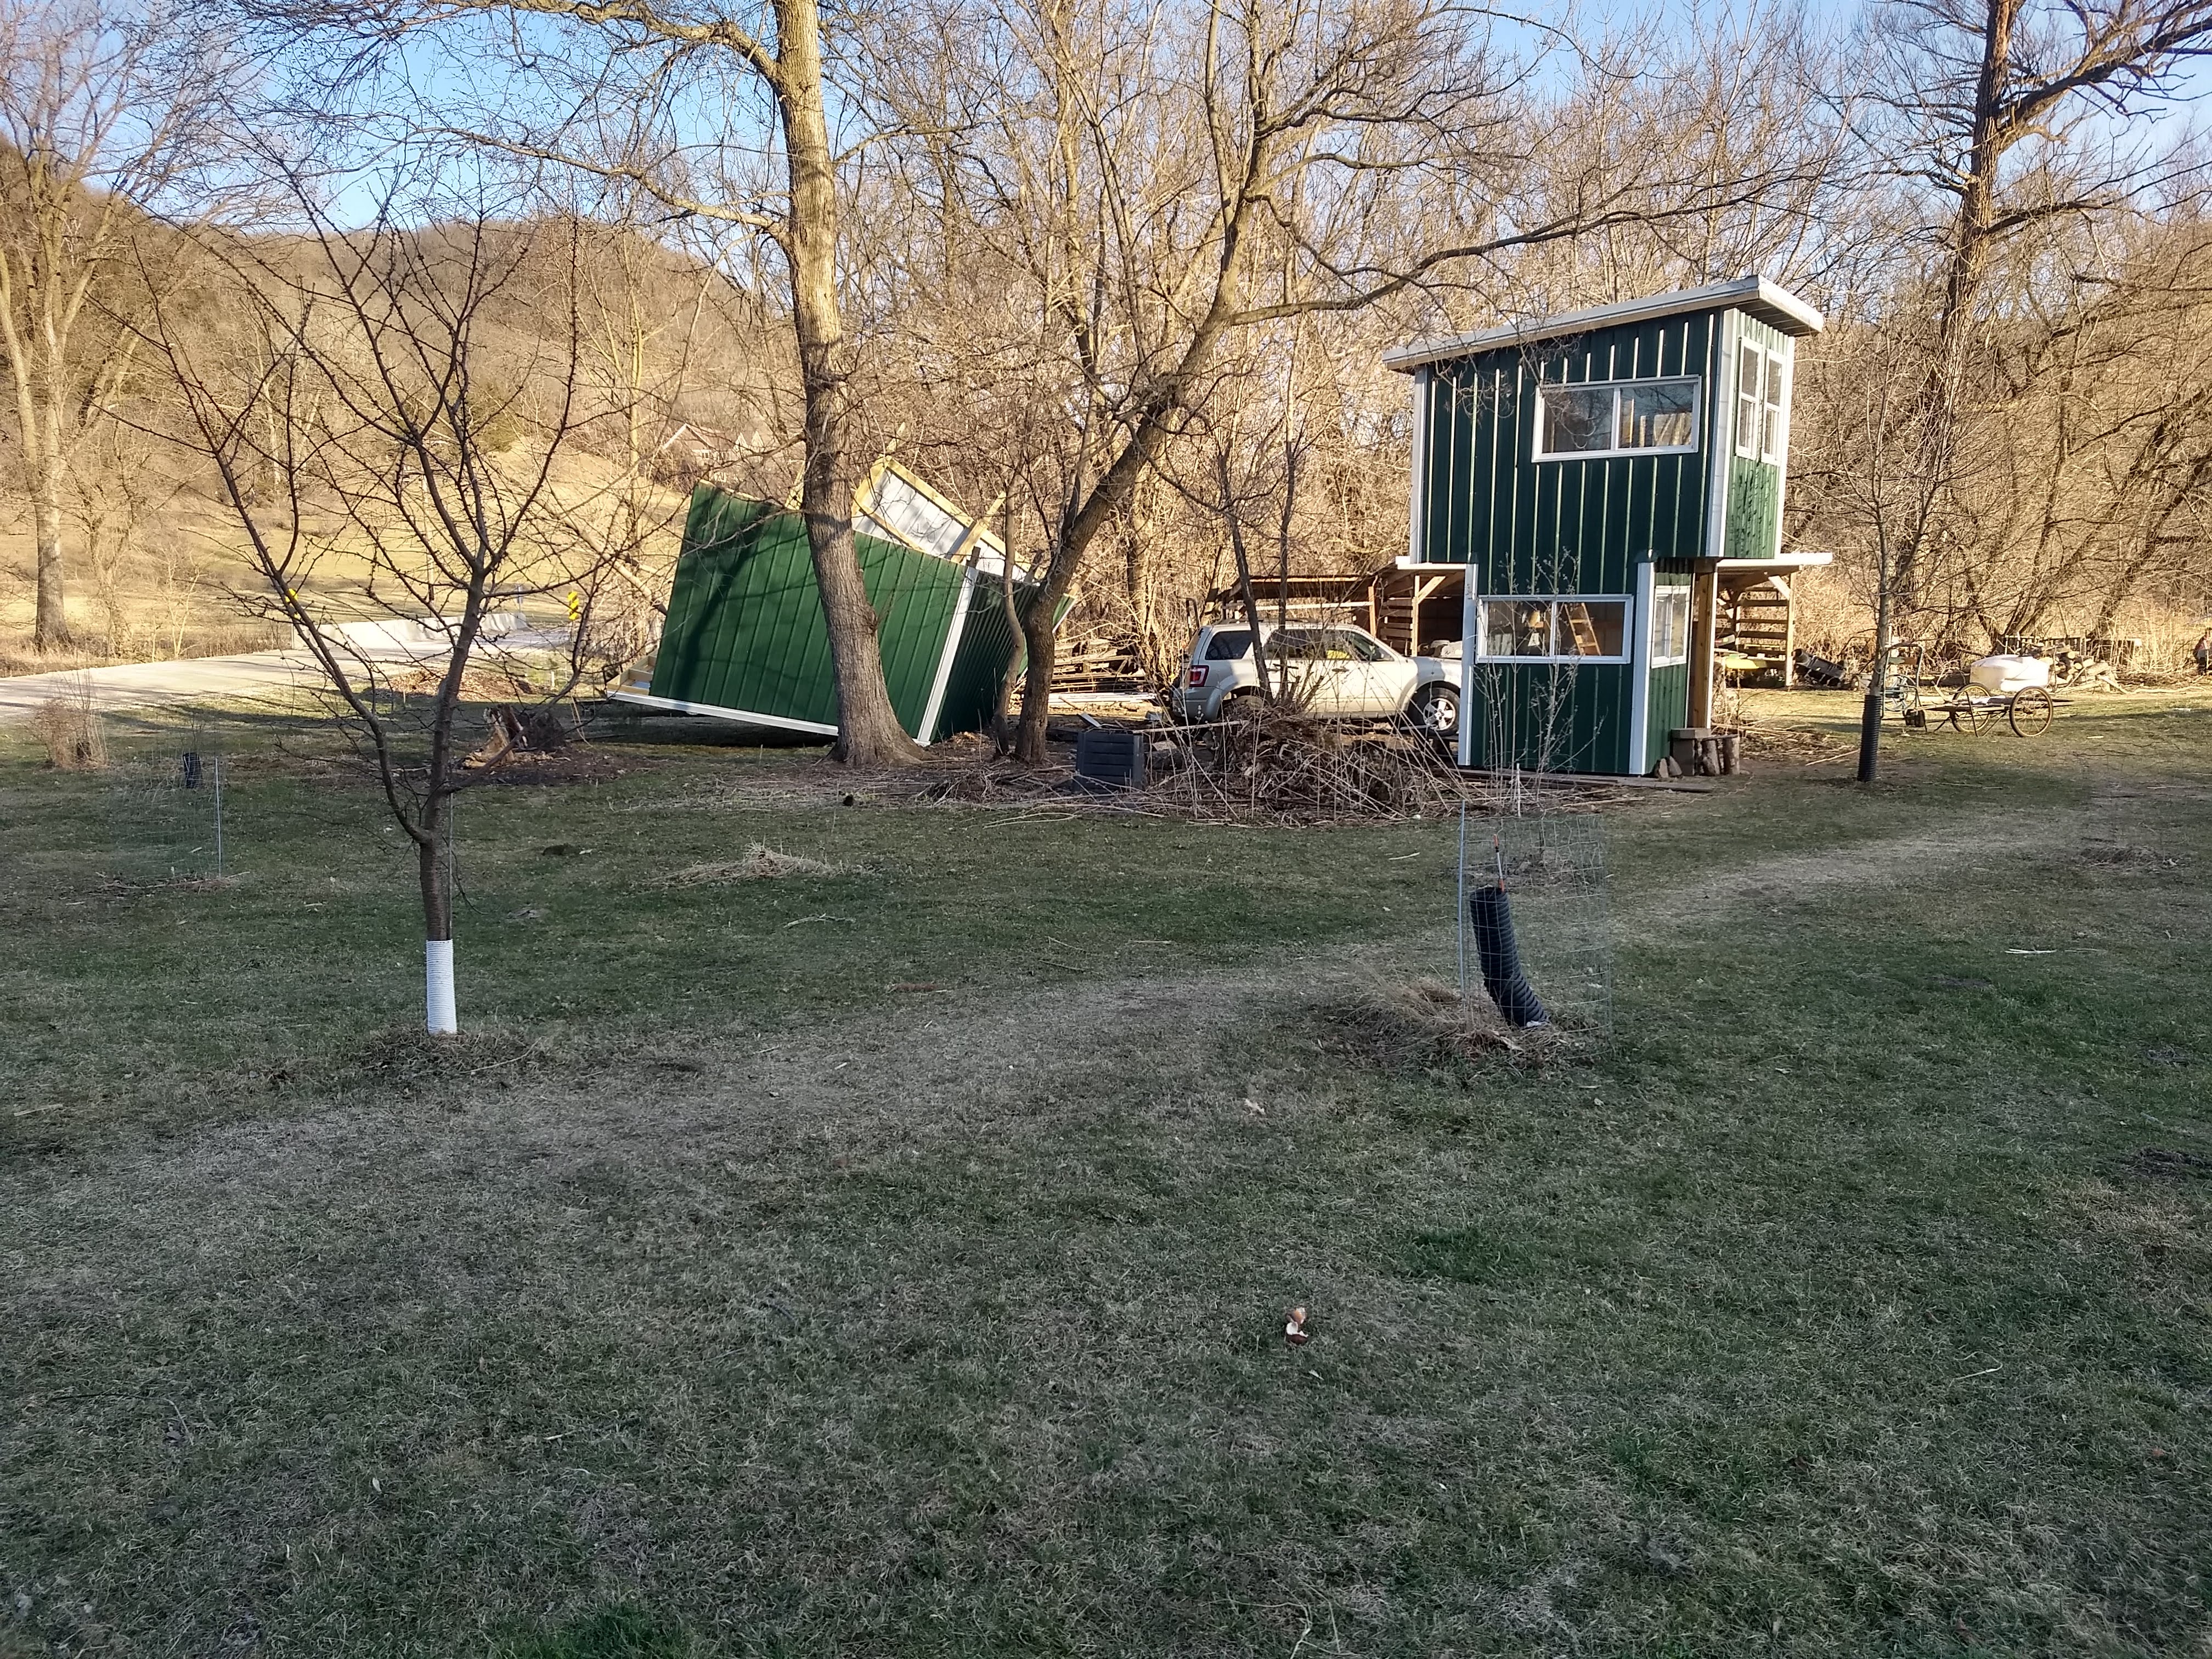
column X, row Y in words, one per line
column 744, row 629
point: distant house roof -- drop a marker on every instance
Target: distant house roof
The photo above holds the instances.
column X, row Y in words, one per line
column 1769, row 302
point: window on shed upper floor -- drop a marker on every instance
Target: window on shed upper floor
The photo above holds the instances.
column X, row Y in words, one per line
column 1762, row 404
column 1616, row 418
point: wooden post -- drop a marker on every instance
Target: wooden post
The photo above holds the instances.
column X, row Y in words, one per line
column 1706, row 590
column 1788, row 635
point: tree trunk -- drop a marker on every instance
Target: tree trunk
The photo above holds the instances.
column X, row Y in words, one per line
column 1042, row 642
column 432, row 870
column 1118, row 484
column 868, row 730
column 50, row 628
column 1973, row 230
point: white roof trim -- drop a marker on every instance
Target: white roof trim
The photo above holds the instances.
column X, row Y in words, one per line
column 1766, row 300
column 1782, row 561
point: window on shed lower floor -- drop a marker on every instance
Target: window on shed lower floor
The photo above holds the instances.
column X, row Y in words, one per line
column 1553, row 629
column 1517, row 627
column 1670, row 626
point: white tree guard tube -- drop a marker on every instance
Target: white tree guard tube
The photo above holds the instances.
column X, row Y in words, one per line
column 438, row 985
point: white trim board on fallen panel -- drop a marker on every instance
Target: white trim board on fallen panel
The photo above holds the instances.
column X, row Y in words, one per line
column 952, row 634
column 744, row 716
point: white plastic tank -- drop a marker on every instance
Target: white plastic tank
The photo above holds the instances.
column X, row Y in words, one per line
column 2004, row 674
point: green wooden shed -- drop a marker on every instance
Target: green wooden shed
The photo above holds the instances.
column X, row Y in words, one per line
column 744, row 638
column 1594, row 477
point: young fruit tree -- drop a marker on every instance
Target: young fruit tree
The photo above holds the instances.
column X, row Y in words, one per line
column 399, row 433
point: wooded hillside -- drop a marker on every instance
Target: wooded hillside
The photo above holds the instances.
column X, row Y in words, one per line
column 1126, row 269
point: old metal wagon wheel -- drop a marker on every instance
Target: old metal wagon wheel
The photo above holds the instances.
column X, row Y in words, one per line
column 2030, row 712
column 1972, row 717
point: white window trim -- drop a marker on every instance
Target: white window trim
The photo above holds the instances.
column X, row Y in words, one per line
column 1697, row 408
column 1782, row 357
column 1639, row 683
column 1776, row 361
column 1662, row 596
column 1627, row 625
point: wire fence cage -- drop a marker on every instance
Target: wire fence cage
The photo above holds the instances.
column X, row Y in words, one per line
column 166, row 805
column 1549, row 865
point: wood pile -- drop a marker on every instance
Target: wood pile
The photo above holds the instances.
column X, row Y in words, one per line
column 1096, row 664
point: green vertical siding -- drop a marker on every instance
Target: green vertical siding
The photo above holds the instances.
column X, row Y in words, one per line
column 1569, row 527
column 987, row 645
column 745, row 631
column 1752, row 528
column 1551, row 718
column 1535, row 526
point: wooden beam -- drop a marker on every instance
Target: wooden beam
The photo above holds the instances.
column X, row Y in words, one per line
column 1704, row 607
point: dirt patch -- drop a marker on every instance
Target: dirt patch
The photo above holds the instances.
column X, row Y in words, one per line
column 1412, row 1025
column 2166, row 1163
column 549, row 767
column 411, row 1058
column 1964, row 842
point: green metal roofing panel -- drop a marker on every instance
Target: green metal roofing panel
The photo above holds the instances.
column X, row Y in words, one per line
column 744, row 629
column 1532, row 526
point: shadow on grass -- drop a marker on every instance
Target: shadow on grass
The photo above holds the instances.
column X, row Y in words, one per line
column 609, row 1632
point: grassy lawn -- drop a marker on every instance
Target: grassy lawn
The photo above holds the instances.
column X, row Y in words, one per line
column 892, row 1260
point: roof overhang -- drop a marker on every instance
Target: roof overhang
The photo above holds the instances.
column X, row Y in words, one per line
column 1778, row 566
column 1768, row 301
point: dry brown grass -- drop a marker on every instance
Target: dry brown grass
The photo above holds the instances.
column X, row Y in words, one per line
column 68, row 726
column 1402, row 1025
column 760, row 863
column 902, row 1289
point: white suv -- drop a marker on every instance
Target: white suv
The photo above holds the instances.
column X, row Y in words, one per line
column 1337, row 673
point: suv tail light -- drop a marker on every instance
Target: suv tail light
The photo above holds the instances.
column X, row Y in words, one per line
column 1197, row 674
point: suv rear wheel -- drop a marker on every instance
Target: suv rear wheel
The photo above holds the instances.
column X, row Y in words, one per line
column 1244, row 705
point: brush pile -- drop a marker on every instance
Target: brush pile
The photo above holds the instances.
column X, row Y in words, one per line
column 1280, row 766
column 1282, row 763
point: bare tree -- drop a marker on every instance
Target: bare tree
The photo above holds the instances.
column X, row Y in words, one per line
column 103, row 110
column 626, row 80
column 2014, row 112
column 417, row 394
column 1162, row 188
